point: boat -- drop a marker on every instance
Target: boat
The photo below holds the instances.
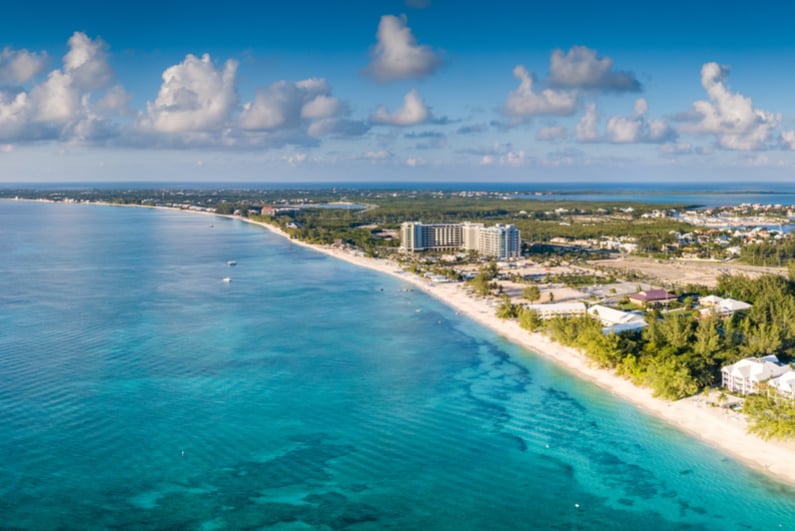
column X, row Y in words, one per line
column 231, row 263
column 227, row 279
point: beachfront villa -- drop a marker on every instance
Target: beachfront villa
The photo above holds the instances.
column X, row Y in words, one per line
column 744, row 376
column 720, row 306
column 558, row 309
column 499, row 241
column 651, row 297
column 617, row 321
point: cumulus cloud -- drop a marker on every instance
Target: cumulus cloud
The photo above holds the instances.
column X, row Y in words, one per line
column 524, row 102
column 550, row 133
column 586, row 129
column 582, row 68
column 397, row 55
column 500, row 154
column 20, row 66
column 730, row 116
column 194, row 96
column 285, row 104
column 87, row 62
column 625, row 130
column 413, row 112
column 787, row 139
column 60, row 107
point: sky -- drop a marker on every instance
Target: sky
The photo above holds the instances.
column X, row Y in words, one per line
column 403, row 90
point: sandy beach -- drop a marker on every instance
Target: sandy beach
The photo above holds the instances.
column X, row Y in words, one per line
column 719, row 427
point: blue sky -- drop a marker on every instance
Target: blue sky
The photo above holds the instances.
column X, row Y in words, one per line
column 417, row 90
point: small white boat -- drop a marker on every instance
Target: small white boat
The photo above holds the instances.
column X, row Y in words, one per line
column 227, row 279
column 231, row 263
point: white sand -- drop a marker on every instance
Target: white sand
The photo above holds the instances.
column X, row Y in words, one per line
column 719, row 427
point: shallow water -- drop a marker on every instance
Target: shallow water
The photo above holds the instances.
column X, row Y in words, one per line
column 139, row 390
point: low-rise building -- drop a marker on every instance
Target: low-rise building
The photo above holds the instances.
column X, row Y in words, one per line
column 617, row 321
column 651, row 297
column 720, row 306
column 744, row 376
column 558, row 309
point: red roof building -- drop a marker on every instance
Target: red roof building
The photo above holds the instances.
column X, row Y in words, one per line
column 652, row 297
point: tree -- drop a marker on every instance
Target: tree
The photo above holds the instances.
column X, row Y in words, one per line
column 530, row 319
column 531, row 293
column 506, row 309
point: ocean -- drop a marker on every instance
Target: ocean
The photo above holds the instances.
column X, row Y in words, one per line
column 138, row 390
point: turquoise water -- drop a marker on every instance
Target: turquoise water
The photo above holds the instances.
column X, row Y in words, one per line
column 138, row 390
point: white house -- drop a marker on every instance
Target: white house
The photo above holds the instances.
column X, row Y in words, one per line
column 722, row 307
column 784, row 384
column 744, row 376
column 616, row 321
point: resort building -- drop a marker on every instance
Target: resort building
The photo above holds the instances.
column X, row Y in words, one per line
column 499, row 241
column 558, row 309
column 744, row 376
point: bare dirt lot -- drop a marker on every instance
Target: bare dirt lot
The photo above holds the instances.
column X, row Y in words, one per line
column 686, row 272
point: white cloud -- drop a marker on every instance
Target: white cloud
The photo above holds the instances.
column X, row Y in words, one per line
column 87, row 62
column 624, row 130
column 304, row 107
column 396, row 55
column 284, row 104
column 194, row 96
column 20, row 66
column 549, row 133
column 523, row 102
column 582, row 68
column 586, row 130
column 788, row 139
column 321, row 106
column 730, row 116
column 413, row 112
column 503, row 155
column 59, row 107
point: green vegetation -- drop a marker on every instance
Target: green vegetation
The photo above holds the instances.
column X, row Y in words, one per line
column 483, row 282
column 771, row 417
column 678, row 353
column 531, row 293
column 769, row 253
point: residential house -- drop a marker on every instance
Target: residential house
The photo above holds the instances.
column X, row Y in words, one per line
column 720, row 306
column 616, row 321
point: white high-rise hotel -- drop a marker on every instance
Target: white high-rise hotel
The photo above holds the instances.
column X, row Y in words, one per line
column 499, row 241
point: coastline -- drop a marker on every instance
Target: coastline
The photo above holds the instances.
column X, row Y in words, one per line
column 718, row 427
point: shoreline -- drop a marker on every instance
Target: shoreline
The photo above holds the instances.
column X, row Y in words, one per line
column 718, row 427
